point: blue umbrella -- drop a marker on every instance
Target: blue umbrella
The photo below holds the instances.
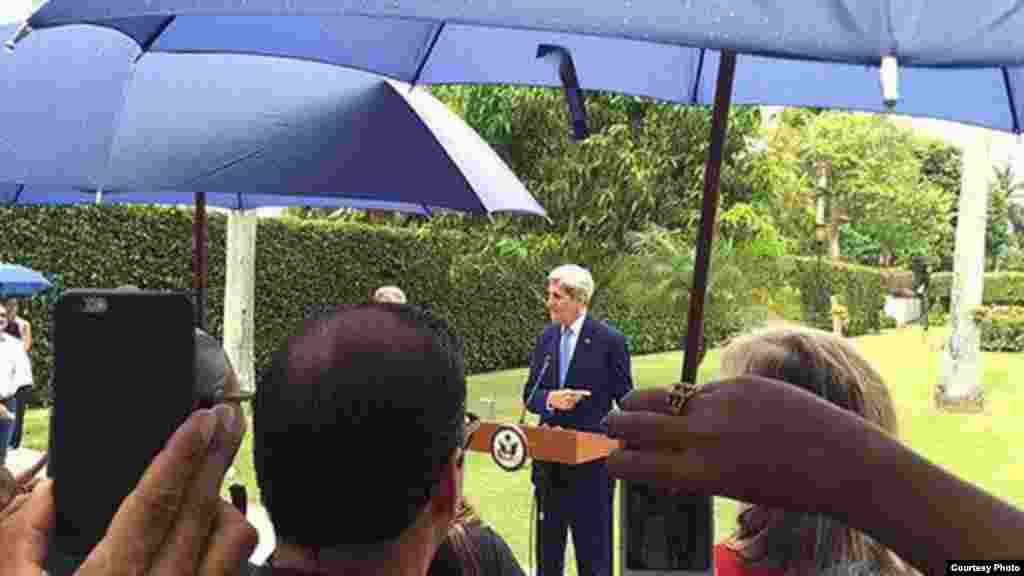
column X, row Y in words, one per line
column 80, row 117
column 17, row 280
column 959, row 61
column 956, row 61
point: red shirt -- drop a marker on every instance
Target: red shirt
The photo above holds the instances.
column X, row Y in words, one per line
column 729, row 563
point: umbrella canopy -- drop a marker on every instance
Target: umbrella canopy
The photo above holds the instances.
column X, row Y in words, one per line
column 17, row 280
column 959, row 62
column 80, row 116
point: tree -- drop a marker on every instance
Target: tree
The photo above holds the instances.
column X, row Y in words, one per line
column 657, row 272
column 643, row 164
column 1002, row 216
column 870, row 173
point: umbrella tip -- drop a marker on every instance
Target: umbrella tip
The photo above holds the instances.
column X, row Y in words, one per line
column 23, row 31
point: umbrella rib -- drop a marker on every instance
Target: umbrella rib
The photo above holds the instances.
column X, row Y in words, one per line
column 223, row 166
column 17, row 194
column 1010, row 99
column 427, row 53
column 697, row 77
column 145, row 46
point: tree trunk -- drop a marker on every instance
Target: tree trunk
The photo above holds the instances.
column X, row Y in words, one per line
column 833, row 241
column 838, row 218
column 961, row 388
column 239, row 296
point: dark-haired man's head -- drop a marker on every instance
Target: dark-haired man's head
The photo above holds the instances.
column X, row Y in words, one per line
column 358, row 431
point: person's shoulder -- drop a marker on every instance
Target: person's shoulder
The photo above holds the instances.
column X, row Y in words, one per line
column 495, row 552
column 604, row 329
column 729, row 562
column 12, row 342
column 550, row 330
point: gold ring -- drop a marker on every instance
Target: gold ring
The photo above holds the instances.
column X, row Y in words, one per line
column 680, row 395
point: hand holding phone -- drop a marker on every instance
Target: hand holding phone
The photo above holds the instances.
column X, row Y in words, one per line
column 164, row 526
column 124, row 381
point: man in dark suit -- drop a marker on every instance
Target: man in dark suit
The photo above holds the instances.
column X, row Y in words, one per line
column 580, row 365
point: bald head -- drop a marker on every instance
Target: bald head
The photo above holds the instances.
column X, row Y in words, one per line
column 363, row 385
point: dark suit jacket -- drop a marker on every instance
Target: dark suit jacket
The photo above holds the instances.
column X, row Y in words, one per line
column 600, row 364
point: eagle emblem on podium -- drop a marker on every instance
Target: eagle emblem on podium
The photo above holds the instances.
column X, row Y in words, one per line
column 508, row 448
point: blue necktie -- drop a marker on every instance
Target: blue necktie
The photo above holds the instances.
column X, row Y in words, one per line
column 563, row 358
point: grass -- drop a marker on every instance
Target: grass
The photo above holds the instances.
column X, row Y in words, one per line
column 979, row 448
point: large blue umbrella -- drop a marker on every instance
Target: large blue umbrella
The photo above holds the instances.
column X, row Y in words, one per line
column 81, row 118
column 956, row 61
column 17, row 280
column 959, row 61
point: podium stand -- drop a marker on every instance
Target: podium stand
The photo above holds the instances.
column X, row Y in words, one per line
column 551, row 445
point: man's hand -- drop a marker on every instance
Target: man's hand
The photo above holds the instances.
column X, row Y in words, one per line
column 566, row 399
column 747, row 438
column 174, row 522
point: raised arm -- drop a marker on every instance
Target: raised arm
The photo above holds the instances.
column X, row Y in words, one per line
column 766, row 442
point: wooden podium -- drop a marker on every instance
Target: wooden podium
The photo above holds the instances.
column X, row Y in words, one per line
column 551, row 445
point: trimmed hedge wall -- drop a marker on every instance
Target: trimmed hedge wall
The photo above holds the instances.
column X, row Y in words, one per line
column 1001, row 288
column 495, row 305
column 861, row 289
column 1002, row 328
column 495, row 302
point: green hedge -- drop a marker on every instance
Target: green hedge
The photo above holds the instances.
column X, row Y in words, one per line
column 495, row 303
column 1002, row 328
column 1001, row 289
column 493, row 299
column 861, row 289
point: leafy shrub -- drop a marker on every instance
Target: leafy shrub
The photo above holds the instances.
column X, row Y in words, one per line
column 1002, row 328
column 1001, row 288
column 860, row 289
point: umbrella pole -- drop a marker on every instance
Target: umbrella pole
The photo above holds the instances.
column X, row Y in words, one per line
column 199, row 260
column 712, row 177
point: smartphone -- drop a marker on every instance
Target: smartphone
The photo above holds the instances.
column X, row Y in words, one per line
column 124, row 381
column 665, row 534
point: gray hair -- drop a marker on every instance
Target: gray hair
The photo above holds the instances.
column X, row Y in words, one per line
column 389, row 294
column 578, row 282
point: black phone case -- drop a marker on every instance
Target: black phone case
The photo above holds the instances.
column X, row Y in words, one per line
column 124, row 381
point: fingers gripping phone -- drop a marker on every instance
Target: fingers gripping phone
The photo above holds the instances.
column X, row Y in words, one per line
column 124, row 381
column 665, row 534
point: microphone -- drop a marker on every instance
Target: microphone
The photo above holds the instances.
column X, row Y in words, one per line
column 536, row 384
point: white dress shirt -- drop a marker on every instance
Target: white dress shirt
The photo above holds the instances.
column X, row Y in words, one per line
column 15, row 368
column 574, row 337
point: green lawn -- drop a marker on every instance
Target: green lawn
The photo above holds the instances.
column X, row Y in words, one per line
column 978, row 447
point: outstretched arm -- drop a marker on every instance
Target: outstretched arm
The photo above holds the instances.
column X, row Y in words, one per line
column 766, row 442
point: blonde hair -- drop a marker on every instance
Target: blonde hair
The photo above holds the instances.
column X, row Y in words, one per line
column 389, row 294
column 830, row 367
column 576, row 280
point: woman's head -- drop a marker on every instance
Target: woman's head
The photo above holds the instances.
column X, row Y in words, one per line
column 12, row 307
column 819, row 362
column 830, row 367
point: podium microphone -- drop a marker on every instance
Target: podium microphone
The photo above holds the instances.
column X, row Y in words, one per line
column 536, row 383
